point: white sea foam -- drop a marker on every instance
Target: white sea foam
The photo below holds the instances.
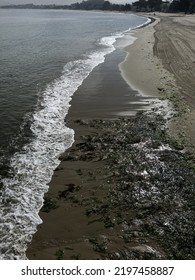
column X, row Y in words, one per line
column 33, row 167
column 145, row 23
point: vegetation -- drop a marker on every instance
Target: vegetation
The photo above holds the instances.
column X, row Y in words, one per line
column 84, row 5
column 186, row 6
column 49, row 204
column 100, row 5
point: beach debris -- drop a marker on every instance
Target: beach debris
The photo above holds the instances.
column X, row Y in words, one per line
column 149, row 188
column 140, row 195
column 49, row 204
column 70, row 188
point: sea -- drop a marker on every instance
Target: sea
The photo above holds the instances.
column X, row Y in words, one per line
column 45, row 55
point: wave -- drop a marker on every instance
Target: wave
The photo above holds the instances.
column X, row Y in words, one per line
column 22, row 194
column 148, row 20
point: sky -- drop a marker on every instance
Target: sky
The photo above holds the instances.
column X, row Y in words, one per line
column 60, row 2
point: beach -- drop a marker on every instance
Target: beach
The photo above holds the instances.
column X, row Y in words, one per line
column 124, row 190
column 161, row 62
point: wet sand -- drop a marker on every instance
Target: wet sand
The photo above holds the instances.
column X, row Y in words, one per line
column 99, row 204
column 105, row 95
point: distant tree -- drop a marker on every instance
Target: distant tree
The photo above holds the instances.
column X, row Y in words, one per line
column 151, row 5
column 143, row 3
column 127, row 7
column 174, row 6
column 107, row 6
column 75, row 6
column 186, row 6
column 154, row 5
column 192, row 6
column 88, row 5
column 84, row 5
column 140, row 5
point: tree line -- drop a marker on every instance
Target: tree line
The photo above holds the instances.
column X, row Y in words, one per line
column 186, row 6
column 175, row 6
column 84, row 5
column 100, row 5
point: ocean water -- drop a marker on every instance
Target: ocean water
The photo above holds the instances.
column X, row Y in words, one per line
column 45, row 55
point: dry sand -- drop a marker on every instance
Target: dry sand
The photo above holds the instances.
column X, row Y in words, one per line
column 141, row 69
column 67, row 230
column 161, row 63
column 175, row 47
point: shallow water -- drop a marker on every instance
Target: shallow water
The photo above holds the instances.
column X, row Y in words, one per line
column 45, row 56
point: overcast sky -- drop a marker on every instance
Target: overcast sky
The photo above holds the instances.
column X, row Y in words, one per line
column 61, row 2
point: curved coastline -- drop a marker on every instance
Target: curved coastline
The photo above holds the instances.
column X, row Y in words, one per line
column 137, row 68
column 36, row 158
column 157, row 63
column 96, row 215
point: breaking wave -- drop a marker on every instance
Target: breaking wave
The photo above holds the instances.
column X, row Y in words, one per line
column 22, row 194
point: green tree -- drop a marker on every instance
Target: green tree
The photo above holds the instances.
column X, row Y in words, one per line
column 186, row 6
column 155, row 5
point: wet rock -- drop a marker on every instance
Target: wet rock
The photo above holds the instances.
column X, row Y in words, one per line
column 82, row 122
column 151, row 190
column 49, row 204
column 69, row 189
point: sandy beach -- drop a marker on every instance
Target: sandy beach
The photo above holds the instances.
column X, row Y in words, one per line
column 124, row 190
column 161, row 62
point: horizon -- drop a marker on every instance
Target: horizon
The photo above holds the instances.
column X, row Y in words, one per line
column 55, row 2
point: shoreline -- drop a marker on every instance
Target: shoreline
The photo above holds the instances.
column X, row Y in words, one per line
column 152, row 71
column 105, row 203
column 135, row 61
